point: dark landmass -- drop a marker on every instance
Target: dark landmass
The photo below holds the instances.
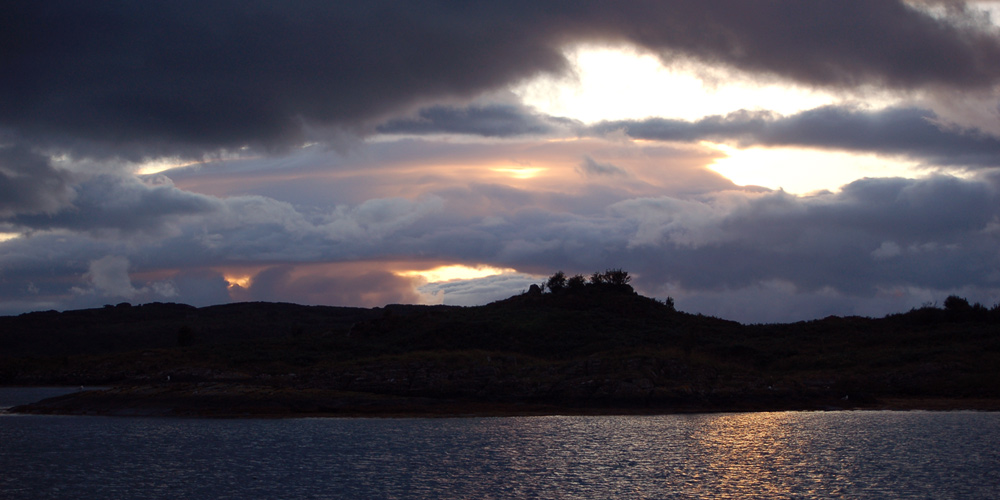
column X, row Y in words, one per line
column 587, row 350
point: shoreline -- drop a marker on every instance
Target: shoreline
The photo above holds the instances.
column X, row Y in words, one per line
column 242, row 402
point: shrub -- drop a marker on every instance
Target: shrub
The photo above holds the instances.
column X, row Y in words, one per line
column 556, row 282
column 617, row 277
column 955, row 303
column 576, row 282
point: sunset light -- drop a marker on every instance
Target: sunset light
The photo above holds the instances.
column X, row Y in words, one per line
column 613, row 83
column 804, row 171
column 454, row 155
column 495, row 249
column 519, row 172
column 455, row 272
column 238, row 281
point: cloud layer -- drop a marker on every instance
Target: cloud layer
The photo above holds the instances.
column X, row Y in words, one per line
column 184, row 77
column 913, row 132
column 342, row 146
column 876, row 238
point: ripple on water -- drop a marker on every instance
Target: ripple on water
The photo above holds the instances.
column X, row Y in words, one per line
column 751, row 455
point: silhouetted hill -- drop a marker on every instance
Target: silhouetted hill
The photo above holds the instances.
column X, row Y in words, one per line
column 126, row 327
column 594, row 348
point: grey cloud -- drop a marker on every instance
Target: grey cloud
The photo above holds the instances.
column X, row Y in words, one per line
column 872, row 238
column 376, row 219
column 258, row 229
column 827, row 42
column 109, row 276
column 912, row 132
column 107, row 279
column 876, row 236
column 29, row 184
column 737, row 125
column 195, row 76
column 833, row 245
column 119, row 203
column 906, row 131
column 591, row 168
column 941, row 226
column 138, row 79
column 497, row 120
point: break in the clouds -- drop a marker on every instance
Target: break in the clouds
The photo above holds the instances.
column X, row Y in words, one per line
column 338, row 153
column 913, row 132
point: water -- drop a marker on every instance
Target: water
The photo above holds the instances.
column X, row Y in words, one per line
column 746, row 455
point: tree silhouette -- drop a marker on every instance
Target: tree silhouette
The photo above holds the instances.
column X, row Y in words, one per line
column 617, row 277
column 956, row 304
column 556, row 282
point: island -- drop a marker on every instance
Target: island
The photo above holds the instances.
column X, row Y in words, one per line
column 571, row 346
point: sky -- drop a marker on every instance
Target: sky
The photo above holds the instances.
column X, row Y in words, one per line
column 756, row 161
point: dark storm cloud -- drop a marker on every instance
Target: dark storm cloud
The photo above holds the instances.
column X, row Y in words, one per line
column 824, row 42
column 909, row 131
column 123, row 204
column 29, row 184
column 136, row 79
column 912, row 132
column 498, row 120
column 195, row 74
column 938, row 233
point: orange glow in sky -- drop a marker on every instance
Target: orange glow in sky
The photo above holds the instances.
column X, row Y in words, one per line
column 519, row 172
column 455, row 272
column 242, row 281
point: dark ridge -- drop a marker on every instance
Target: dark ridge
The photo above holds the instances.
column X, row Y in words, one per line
column 597, row 348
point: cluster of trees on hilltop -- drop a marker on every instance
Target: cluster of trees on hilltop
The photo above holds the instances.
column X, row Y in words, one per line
column 956, row 309
column 559, row 282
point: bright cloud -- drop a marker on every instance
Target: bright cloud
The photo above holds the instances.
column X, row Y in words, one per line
column 455, row 272
column 621, row 83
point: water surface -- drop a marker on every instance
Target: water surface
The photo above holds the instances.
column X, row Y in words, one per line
column 861, row 455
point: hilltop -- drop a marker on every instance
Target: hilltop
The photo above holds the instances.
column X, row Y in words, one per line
column 582, row 349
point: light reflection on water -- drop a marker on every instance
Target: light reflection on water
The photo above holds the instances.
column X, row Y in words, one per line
column 757, row 455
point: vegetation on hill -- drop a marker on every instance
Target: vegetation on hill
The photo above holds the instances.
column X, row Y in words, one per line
column 579, row 345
